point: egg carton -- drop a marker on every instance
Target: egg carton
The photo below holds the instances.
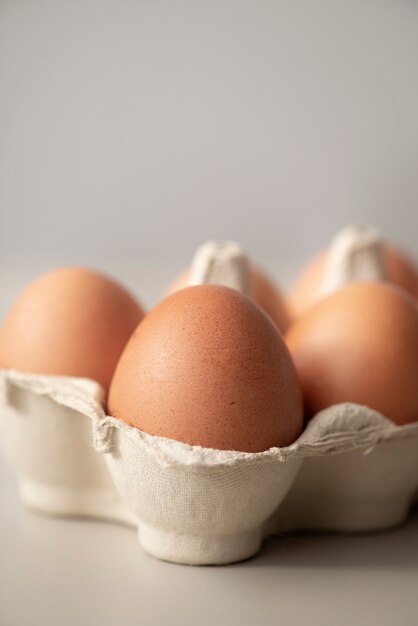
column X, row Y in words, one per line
column 352, row 469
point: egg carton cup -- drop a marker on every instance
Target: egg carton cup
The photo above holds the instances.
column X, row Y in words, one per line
column 351, row 470
column 46, row 435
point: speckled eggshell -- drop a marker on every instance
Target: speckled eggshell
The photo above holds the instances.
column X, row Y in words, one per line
column 208, row 367
column 400, row 270
column 360, row 344
column 262, row 289
column 69, row 322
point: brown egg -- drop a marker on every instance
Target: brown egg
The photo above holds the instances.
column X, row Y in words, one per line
column 360, row 344
column 208, row 367
column 262, row 289
column 69, row 322
column 305, row 292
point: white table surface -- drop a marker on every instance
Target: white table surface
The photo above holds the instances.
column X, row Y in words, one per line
column 77, row 573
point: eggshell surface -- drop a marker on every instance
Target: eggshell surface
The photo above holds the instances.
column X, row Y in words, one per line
column 360, row 344
column 264, row 292
column 69, row 322
column 208, row 367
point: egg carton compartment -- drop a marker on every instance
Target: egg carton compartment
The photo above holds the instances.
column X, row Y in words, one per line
column 45, row 433
column 350, row 470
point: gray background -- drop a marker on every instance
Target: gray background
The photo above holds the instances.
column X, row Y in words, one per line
column 133, row 130
column 130, row 132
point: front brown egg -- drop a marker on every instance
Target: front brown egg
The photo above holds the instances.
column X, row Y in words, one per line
column 69, row 322
column 208, row 367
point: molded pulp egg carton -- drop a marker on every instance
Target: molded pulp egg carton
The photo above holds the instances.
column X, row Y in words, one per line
column 351, row 469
